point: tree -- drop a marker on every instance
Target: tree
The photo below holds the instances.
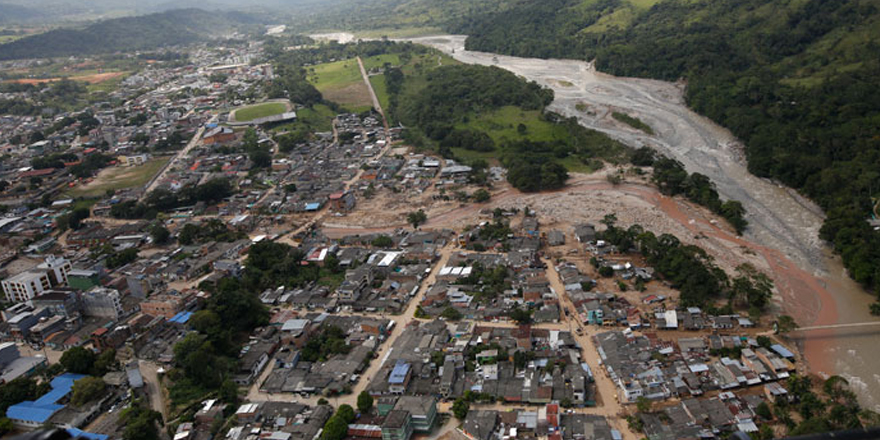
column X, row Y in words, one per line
column 78, row 360
column 451, row 314
column 763, row 410
column 6, row 426
column 382, row 241
column 335, row 429
column 160, row 234
column 140, row 422
column 364, row 402
column 105, row 362
column 481, row 196
column 86, row 390
column 643, row 404
column 521, row 316
column 416, row 218
column 346, row 412
column 785, row 324
column 460, row 408
column 261, row 158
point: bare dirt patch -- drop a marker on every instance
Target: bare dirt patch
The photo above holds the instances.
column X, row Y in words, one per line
column 355, row 94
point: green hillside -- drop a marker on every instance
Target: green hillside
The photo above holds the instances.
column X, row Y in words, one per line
column 797, row 80
column 127, row 34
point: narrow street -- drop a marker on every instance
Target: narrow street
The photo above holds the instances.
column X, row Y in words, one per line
column 400, row 323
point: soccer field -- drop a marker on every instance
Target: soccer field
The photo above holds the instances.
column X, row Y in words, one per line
column 259, row 111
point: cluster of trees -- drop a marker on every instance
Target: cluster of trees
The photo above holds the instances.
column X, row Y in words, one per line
column 672, row 179
column 782, row 80
column 329, row 342
column 80, row 360
column 691, row 270
column 835, row 408
column 210, row 230
column 472, row 140
column 452, row 92
column 336, row 427
column 62, row 94
column 162, row 200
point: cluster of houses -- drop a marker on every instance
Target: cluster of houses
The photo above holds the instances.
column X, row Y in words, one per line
column 449, row 360
column 547, row 421
column 653, row 368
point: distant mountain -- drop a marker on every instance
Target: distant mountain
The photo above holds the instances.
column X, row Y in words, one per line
column 15, row 13
column 128, row 34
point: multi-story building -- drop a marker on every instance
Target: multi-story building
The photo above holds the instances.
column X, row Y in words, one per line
column 398, row 425
column 102, row 302
column 26, row 285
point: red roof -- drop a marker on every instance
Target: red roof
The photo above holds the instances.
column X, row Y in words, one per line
column 37, row 173
column 336, row 196
column 100, row 331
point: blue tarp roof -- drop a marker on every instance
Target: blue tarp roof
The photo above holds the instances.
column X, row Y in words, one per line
column 76, row 433
column 43, row 408
column 782, row 351
column 181, row 318
column 313, row 206
column 398, row 374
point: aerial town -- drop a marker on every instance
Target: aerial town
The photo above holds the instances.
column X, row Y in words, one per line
column 192, row 258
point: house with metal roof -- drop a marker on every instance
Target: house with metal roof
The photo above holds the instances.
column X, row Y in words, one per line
column 32, row 414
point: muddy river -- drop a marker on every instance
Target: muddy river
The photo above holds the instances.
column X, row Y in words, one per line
column 812, row 284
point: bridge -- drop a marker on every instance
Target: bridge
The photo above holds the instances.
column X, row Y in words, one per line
column 833, row 326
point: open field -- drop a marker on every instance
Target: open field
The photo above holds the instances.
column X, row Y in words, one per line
column 376, row 62
column 116, row 178
column 259, row 111
column 317, row 118
column 381, row 90
column 335, row 74
column 91, row 78
column 341, row 82
column 406, row 32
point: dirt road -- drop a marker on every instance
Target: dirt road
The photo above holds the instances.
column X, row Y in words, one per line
column 373, row 97
column 400, row 323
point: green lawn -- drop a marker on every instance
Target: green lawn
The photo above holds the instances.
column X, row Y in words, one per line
column 259, row 111
column 334, row 75
column 117, row 178
column 381, row 90
column 379, row 60
column 502, row 125
column 318, row 118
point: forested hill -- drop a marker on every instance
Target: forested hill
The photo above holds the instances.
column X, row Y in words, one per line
column 127, row 34
column 797, row 80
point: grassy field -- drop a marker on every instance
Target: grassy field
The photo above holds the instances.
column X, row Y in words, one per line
column 381, row 90
column 318, row 118
column 341, row 82
column 501, row 125
column 376, row 62
column 334, row 75
column 117, row 178
column 405, row 32
column 259, row 111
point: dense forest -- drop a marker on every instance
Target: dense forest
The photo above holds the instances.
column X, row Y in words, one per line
column 127, row 34
column 797, row 81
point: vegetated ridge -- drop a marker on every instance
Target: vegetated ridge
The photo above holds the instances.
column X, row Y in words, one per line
column 127, row 34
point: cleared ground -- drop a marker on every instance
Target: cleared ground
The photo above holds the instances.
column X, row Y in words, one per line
column 341, row 83
column 95, row 78
column 117, row 178
column 259, row 111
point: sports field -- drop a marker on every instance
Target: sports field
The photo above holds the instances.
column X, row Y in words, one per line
column 259, row 111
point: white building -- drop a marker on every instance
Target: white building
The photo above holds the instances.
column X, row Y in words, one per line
column 102, row 302
column 26, row 285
